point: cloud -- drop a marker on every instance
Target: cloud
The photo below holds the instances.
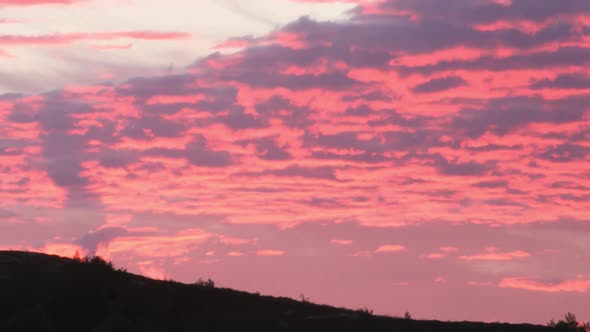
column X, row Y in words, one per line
column 66, row 38
column 342, row 242
column 456, row 168
column 563, row 81
column 151, row 270
column 198, row 153
column 503, row 116
column 319, row 113
column 321, row 173
column 440, row 280
column 91, row 241
column 440, row 84
column 60, row 249
column 329, row 1
column 489, row 11
column 562, row 56
column 270, row 150
column 159, row 245
column 389, row 248
column 442, row 253
column 37, row 2
column 579, row 285
column 491, row 184
column 565, row 153
column 435, row 255
column 491, row 254
column 270, row 252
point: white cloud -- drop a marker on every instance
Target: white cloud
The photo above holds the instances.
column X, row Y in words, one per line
column 41, row 68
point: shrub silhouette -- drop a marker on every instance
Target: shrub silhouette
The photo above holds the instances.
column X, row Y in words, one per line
column 570, row 324
column 303, row 298
column 366, row 311
column 96, row 261
column 205, row 283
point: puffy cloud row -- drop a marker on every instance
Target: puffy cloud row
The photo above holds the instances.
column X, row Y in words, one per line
column 421, row 120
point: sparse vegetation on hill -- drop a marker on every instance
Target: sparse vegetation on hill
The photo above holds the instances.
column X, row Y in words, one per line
column 41, row 293
column 570, row 324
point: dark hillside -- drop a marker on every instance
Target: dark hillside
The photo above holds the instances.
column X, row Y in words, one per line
column 48, row 293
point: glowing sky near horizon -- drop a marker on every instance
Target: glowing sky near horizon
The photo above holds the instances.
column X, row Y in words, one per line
column 421, row 155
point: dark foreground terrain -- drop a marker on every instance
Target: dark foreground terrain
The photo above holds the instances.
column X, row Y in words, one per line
column 48, row 293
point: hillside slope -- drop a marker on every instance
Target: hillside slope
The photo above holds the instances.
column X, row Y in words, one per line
column 49, row 293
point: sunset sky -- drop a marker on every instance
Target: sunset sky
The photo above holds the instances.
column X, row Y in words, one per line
column 422, row 155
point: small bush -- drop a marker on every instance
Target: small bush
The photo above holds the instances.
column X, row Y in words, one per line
column 303, row 298
column 99, row 261
column 407, row 315
column 570, row 324
column 205, row 283
column 95, row 260
column 366, row 311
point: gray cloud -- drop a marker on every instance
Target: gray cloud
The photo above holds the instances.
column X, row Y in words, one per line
column 440, row 84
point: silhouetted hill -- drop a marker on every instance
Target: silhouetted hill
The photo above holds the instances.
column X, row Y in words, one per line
column 48, row 293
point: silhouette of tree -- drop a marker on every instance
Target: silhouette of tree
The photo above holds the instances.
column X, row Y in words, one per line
column 205, row 283
column 570, row 324
column 366, row 311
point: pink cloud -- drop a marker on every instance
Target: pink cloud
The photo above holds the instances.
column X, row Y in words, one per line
column 159, row 245
column 579, row 285
column 10, row 21
column 270, row 252
column 364, row 253
column 62, row 249
column 37, row 2
column 150, row 270
column 332, row 1
column 444, row 252
column 440, row 280
column 389, row 248
column 113, row 46
column 480, row 283
column 434, row 255
column 67, row 38
column 234, row 241
column 491, row 254
column 342, row 242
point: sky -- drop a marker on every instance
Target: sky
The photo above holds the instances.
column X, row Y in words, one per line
column 400, row 155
